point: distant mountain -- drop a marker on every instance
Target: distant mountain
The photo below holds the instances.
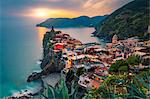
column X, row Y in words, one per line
column 128, row 21
column 82, row 21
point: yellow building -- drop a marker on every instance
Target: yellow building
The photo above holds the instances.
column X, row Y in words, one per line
column 147, row 43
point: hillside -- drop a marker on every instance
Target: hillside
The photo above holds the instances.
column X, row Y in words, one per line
column 82, row 21
column 128, row 21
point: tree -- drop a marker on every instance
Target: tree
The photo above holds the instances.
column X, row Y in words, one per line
column 134, row 60
column 119, row 66
column 123, row 68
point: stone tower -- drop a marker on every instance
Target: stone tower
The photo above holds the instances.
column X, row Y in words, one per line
column 52, row 30
column 115, row 39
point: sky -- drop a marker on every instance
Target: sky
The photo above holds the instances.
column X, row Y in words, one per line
column 59, row 8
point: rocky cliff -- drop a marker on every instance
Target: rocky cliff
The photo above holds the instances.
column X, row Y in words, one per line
column 51, row 62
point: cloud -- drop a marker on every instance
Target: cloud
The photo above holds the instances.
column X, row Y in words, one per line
column 90, row 3
column 103, row 7
column 78, row 7
column 54, row 0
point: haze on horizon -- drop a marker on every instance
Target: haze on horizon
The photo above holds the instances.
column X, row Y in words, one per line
column 60, row 8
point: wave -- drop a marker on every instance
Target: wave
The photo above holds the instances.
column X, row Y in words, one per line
column 38, row 62
column 28, row 91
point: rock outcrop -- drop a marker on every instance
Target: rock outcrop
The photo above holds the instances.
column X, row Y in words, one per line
column 51, row 61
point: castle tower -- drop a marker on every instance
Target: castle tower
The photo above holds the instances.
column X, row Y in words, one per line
column 52, row 30
column 115, row 39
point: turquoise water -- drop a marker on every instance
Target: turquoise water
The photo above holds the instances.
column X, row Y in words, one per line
column 21, row 48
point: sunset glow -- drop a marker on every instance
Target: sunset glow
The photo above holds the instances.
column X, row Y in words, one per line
column 40, row 13
column 49, row 13
column 41, row 32
column 42, row 9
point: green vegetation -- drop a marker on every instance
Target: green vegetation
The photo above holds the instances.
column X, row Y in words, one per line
column 125, row 85
column 60, row 92
column 134, row 60
column 119, row 66
column 128, row 21
column 124, row 65
column 120, row 86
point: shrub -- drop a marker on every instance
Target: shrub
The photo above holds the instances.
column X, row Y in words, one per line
column 134, row 60
column 120, row 65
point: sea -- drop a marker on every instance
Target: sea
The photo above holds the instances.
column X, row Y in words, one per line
column 21, row 50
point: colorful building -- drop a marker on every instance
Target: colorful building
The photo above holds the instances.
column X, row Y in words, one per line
column 58, row 46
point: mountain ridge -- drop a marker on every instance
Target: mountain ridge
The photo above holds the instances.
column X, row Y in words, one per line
column 81, row 21
column 128, row 21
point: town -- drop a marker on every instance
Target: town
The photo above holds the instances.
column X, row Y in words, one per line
column 92, row 63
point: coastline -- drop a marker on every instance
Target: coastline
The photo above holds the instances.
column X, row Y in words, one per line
column 67, row 27
column 26, row 93
column 33, row 93
column 51, row 62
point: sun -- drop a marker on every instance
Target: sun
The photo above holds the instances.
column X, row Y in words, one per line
column 41, row 13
